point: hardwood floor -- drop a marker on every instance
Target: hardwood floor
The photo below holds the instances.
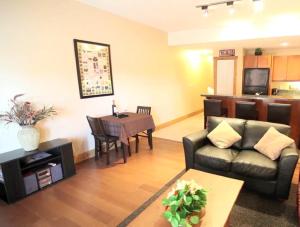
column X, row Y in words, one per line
column 99, row 195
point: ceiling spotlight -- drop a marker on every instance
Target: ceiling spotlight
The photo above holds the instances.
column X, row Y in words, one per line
column 284, row 44
column 258, row 5
column 231, row 8
column 205, row 10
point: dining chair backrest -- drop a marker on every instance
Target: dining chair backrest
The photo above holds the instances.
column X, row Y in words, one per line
column 96, row 126
column 143, row 110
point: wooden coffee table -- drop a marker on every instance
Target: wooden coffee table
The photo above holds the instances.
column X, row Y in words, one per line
column 221, row 196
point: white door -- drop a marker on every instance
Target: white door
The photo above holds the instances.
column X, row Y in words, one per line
column 225, row 77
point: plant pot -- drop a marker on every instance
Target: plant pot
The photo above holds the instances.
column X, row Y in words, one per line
column 29, row 137
column 200, row 214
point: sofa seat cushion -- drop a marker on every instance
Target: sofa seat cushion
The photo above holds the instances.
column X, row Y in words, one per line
column 253, row 164
column 215, row 158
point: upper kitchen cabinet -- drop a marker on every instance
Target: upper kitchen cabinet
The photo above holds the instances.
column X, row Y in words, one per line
column 250, row 61
column 286, row 68
column 262, row 61
column 279, row 68
column 293, row 68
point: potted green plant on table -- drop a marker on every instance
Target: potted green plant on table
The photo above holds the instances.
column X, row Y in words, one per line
column 185, row 204
column 24, row 114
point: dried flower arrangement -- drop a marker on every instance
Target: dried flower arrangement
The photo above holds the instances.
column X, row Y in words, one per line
column 23, row 112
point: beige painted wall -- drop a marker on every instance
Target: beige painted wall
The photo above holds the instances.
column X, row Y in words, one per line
column 195, row 66
column 37, row 58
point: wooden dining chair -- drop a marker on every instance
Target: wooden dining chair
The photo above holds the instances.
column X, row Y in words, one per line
column 143, row 110
column 148, row 134
column 101, row 137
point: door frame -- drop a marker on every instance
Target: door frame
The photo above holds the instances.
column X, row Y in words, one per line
column 216, row 59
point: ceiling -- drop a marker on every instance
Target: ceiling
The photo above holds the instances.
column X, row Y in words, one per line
column 177, row 15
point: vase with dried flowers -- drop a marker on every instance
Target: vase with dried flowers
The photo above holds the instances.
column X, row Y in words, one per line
column 26, row 115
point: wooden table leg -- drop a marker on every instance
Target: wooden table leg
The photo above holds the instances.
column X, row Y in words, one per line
column 128, row 147
column 124, row 151
column 150, row 142
column 137, row 143
column 96, row 148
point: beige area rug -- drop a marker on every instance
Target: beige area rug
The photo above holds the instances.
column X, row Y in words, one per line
column 176, row 131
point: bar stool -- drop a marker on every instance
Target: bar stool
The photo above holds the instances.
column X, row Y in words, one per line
column 279, row 113
column 213, row 107
column 245, row 110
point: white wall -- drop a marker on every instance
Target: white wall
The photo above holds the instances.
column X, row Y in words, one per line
column 37, row 58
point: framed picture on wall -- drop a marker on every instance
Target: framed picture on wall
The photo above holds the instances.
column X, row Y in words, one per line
column 94, row 71
column 227, row 53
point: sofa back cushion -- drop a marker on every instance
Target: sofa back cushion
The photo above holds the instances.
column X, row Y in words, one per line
column 237, row 124
column 255, row 130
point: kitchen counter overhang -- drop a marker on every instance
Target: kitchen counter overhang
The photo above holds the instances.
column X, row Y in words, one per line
column 256, row 97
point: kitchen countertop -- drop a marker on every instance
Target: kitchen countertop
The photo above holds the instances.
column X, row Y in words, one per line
column 286, row 97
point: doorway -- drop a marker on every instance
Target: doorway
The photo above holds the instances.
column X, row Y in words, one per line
column 225, row 75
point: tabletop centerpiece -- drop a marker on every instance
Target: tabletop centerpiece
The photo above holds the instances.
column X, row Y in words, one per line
column 185, row 204
column 26, row 116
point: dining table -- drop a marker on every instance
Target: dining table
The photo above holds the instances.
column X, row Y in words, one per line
column 127, row 125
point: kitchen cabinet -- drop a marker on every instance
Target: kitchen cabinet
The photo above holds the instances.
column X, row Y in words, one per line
column 250, row 61
column 279, row 68
column 293, row 68
column 262, row 61
column 286, row 68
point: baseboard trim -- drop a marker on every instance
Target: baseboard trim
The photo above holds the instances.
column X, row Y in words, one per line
column 176, row 120
column 87, row 155
column 84, row 156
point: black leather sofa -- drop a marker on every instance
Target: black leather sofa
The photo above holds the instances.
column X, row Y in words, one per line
column 241, row 161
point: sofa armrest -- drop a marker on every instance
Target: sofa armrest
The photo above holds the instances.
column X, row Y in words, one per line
column 286, row 167
column 190, row 144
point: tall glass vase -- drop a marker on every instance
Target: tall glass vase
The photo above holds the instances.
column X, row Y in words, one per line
column 29, row 137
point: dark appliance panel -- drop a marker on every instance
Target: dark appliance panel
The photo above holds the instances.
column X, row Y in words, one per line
column 256, row 81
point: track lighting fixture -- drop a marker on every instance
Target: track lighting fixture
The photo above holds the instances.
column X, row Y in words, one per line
column 205, row 11
column 231, row 8
column 258, row 5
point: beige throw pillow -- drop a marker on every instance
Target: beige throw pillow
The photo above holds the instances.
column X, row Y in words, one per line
column 223, row 136
column 272, row 143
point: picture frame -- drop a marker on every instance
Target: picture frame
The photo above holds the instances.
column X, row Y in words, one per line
column 227, row 53
column 94, row 71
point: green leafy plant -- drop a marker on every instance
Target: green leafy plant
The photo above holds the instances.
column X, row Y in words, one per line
column 184, row 203
column 258, row 51
column 23, row 112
